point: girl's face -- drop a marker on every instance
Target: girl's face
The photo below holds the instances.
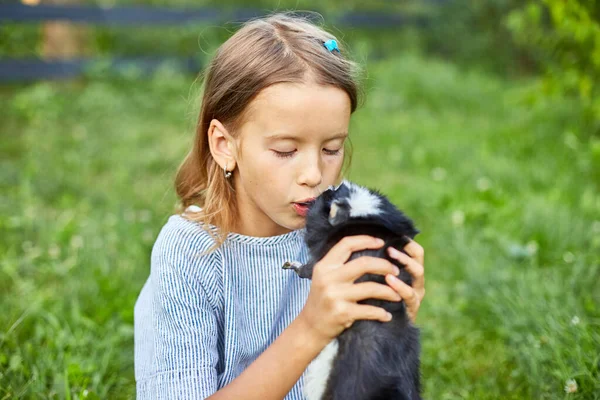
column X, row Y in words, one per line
column 291, row 148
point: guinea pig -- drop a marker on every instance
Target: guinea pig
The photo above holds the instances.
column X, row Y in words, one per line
column 370, row 359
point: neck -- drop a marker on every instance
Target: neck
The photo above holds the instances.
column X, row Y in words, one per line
column 252, row 221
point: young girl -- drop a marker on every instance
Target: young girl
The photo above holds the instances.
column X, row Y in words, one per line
column 218, row 315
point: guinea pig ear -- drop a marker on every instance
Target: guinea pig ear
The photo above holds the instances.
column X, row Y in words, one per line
column 328, row 193
column 338, row 213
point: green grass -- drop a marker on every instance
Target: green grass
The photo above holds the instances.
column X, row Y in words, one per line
column 505, row 193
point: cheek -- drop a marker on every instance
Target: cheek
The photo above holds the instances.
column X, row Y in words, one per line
column 264, row 171
column 254, row 167
column 333, row 165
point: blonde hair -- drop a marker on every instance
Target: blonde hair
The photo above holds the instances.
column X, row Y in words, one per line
column 281, row 47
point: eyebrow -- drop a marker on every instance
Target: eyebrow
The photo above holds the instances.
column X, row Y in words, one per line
column 283, row 136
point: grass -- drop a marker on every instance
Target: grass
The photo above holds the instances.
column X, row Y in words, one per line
column 505, row 192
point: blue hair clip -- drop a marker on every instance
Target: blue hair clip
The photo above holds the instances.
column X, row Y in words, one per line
column 331, row 45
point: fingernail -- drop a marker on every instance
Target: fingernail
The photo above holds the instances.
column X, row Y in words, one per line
column 393, row 251
column 389, row 316
column 396, row 270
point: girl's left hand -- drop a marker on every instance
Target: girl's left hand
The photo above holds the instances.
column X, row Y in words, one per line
column 414, row 265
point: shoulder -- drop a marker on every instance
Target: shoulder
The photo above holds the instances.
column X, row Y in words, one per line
column 181, row 234
column 181, row 251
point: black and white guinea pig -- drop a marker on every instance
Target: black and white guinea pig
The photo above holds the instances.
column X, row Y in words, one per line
column 371, row 359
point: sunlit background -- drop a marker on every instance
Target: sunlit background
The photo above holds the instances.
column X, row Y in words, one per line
column 481, row 122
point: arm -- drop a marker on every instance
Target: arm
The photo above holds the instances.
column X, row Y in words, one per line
column 330, row 308
column 188, row 349
column 273, row 374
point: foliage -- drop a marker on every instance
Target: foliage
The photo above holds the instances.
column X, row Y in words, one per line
column 567, row 34
column 473, row 33
column 506, row 196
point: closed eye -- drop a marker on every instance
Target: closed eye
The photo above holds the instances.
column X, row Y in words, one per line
column 284, row 154
column 288, row 154
column 332, row 152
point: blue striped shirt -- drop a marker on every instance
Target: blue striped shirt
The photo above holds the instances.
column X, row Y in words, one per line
column 200, row 320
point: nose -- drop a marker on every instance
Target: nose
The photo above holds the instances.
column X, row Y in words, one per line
column 311, row 172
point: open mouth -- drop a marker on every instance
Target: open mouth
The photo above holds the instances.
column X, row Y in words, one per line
column 306, row 203
column 302, row 207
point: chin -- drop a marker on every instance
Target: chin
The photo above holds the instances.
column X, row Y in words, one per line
column 295, row 223
column 299, row 224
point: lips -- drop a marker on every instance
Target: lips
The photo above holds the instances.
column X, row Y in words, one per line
column 306, row 202
column 301, row 207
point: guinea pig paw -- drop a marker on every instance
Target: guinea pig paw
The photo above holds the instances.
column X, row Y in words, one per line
column 295, row 265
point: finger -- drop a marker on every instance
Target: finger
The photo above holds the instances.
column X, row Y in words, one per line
column 340, row 253
column 366, row 265
column 371, row 290
column 408, row 294
column 416, row 270
column 416, row 251
column 365, row 311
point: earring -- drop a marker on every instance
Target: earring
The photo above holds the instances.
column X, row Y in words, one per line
column 226, row 173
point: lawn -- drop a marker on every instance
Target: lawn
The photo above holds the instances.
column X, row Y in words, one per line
column 505, row 192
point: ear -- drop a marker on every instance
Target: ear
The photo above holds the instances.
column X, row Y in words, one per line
column 222, row 145
column 338, row 213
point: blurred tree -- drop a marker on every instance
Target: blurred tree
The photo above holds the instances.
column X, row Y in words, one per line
column 472, row 33
column 566, row 33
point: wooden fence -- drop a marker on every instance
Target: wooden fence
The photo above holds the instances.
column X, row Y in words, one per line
column 26, row 69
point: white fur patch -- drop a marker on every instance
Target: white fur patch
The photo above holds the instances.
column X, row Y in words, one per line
column 318, row 372
column 362, row 202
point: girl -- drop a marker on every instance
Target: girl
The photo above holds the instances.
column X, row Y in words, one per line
column 218, row 316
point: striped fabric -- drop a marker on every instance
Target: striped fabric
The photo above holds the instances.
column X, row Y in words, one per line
column 200, row 320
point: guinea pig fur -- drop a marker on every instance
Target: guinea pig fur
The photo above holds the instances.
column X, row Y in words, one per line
column 371, row 359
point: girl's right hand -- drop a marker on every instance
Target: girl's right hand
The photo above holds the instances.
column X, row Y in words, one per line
column 332, row 305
